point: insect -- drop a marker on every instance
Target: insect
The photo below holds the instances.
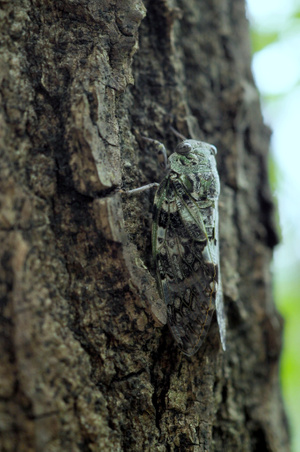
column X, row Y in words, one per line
column 185, row 244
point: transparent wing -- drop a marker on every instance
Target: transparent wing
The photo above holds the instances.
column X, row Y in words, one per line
column 219, row 296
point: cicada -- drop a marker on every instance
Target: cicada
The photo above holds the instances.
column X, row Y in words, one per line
column 185, row 244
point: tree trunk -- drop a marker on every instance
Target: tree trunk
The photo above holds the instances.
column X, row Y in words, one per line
column 86, row 361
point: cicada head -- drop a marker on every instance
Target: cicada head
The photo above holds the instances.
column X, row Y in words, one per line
column 193, row 156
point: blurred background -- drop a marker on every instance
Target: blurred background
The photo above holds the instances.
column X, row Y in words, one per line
column 275, row 36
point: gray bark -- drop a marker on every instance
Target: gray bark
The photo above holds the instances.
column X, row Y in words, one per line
column 86, row 363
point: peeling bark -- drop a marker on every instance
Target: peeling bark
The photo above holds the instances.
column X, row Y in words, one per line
column 85, row 361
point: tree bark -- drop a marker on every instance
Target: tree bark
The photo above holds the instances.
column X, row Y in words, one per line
column 86, row 361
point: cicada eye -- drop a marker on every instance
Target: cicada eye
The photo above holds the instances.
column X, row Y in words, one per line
column 213, row 150
column 183, row 148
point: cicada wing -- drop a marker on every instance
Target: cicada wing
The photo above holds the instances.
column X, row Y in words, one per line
column 204, row 215
column 186, row 281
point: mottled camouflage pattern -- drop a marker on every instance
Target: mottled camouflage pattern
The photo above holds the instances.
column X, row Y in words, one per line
column 185, row 244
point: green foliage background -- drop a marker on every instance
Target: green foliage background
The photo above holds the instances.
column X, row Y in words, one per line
column 286, row 274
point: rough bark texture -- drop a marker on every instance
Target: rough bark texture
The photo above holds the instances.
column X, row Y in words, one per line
column 85, row 363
